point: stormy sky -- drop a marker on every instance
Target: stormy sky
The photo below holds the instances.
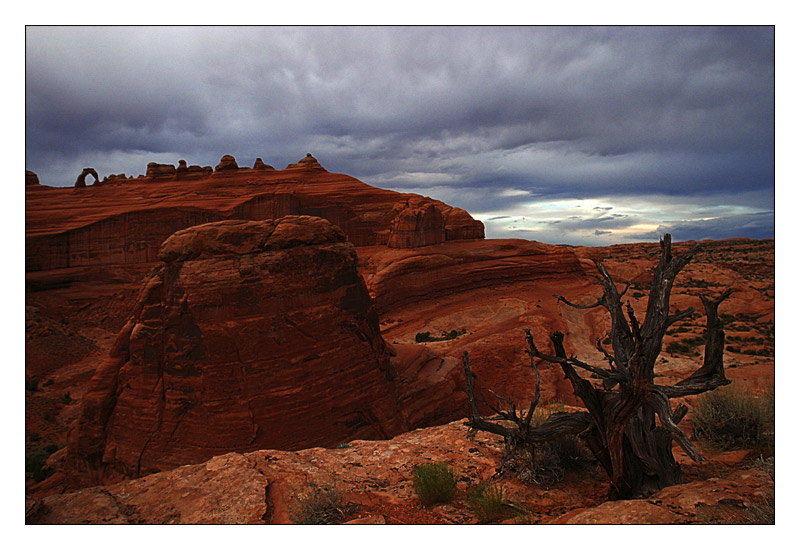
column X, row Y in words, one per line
column 576, row 135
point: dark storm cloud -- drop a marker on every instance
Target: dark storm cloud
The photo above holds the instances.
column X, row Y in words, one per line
column 482, row 117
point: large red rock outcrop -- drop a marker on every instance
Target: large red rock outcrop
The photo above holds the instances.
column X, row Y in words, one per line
column 247, row 335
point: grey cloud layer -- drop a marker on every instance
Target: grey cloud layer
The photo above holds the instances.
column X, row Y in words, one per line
column 556, row 112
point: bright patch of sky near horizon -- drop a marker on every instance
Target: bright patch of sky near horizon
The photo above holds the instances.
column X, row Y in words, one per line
column 567, row 135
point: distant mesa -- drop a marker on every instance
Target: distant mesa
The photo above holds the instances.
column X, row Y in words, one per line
column 31, row 178
column 259, row 165
column 80, row 183
column 306, row 163
column 227, row 162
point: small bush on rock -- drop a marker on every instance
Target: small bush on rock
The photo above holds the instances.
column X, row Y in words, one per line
column 434, row 482
column 730, row 418
column 321, row 505
column 486, row 502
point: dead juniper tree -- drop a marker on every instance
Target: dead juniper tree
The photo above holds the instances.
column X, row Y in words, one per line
column 629, row 424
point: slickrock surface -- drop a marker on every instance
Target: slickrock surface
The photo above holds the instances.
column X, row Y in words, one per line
column 376, row 476
column 397, row 278
column 249, row 335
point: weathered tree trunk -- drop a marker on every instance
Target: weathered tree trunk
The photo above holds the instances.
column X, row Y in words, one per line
column 629, row 424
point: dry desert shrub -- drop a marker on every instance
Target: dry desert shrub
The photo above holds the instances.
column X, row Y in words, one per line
column 486, row 502
column 321, row 504
column 434, row 482
column 732, row 418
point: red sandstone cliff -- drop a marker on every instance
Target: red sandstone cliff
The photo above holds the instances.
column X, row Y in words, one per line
column 248, row 335
column 124, row 221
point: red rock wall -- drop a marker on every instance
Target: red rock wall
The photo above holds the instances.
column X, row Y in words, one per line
column 248, row 335
column 126, row 220
column 128, row 238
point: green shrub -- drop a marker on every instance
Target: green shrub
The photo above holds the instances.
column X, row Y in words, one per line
column 451, row 335
column 65, row 399
column 696, row 341
column 677, row 348
column 34, row 436
column 730, row 418
column 486, row 502
column 32, row 385
column 321, row 505
column 49, row 382
column 343, row 446
column 434, row 482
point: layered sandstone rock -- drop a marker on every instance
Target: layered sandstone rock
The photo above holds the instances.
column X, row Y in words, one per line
column 248, row 335
column 401, row 277
column 430, row 386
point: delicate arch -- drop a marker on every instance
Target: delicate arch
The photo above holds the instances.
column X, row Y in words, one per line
column 81, row 181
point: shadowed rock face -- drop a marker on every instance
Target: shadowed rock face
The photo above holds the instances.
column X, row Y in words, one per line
column 31, row 178
column 247, row 335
